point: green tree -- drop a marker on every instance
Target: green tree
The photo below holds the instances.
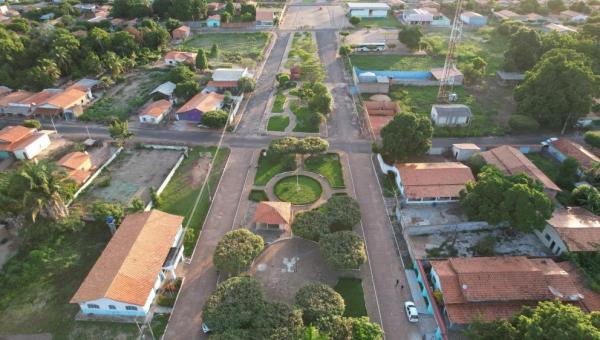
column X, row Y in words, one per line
column 343, row 250
column 355, row 21
column 556, row 6
column 570, row 96
column 119, row 131
column 234, row 304
column 236, row 251
column 524, row 50
column 322, row 100
column 283, row 146
column 345, row 50
column 312, row 146
column 517, row 200
column 592, row 174
column 406, row 135
column 581, row 7
column 248, row 8
column 318, row 300
column 155, row 36
column 592, row 138
column 410, row 35
column 112, row 64
column 123, row 44
column 312, row 333
column 161, row 7
column 342, row 212
column 180, row 74
column 98, row 39
column 229, row 8
column 43, row 75
column 587, row 197
column 32, row 123
column 172, row 24
column 214, row 51
column 201, row 60
column 187, row 89
column 568, row 174
column 246, row 84
column 225, row 17
column 529, row 6
column 19, row 25
column 310, row 224
column 65, row 50
column 215, row 119
column 102, row 209
column 363, row 329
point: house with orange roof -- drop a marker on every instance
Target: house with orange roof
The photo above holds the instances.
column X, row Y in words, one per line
column 265, row 17
column 573, row 229
column 564, row 148
column 181, row 33
column 68, row 103
column 203, row 102
column 426, row 183
column 78, row 165
column 173, row 58
column 273, row 215
column 141, row 255
column 21, row 142
column 511, row 161
column 155, row 111
column 27, row 106
column 490, row 288
column 13, row 97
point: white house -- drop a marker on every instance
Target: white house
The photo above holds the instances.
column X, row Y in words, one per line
column 368, row 9
column 561, row 29
column 141, row 255
column 571, row 230
column 464, row 151
column 173, row 58
column 227, row 78
column 417, row 16
column 265, row 17
column 155, row 112
column 473, row 19
column 69, row 102
column 564, row 148
column 21, row 142
column 451, row 114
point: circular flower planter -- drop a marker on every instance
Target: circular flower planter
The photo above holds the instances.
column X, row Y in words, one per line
column 304, row 190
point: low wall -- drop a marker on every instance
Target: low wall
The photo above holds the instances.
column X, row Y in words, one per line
column 171, row 173
column 415, row 82
column 238, row 24
column 447, row 228
column 373, row 88
column 96, row 174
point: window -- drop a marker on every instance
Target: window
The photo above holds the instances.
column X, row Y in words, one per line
column 547, row 236
column 93, row 305
column 131, row 307
column 112, row 307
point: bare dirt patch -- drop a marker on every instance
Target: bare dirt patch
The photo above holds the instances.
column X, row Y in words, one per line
column 198, row 171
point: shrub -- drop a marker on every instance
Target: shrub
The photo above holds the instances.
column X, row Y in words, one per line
column 215, row 119
column 310, row 225
column 345, row 50
column 343, row 250
column 354, row 20
column 592, row 138
column 246, row 84
column 104, row 182
column 283, row 79
column 32, row 123
column 258, row 196
column 342, row 212
column 485, row 246
column 522, row 124
column 318, row 300
column 101, row 210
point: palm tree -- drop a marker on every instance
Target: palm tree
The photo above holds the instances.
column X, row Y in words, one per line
column 44, row 190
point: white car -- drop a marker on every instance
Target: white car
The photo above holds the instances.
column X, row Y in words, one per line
column 411, row 311
column 205, row 328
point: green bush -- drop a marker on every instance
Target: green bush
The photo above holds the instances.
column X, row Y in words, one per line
column 343, row 250
column 258, row 196
column 592, row 138
column 104, row 182
column 318, row 300
column 215, row 119
column 32, row 123
column 485, row 246
column 354, row 20
column 523, row 124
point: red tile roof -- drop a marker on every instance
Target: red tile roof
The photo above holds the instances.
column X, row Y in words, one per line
column 512, row 161
column 214, row 83
column 273, row 212
column 157, row 108
column 571, row 149
column 423, row 180
column 591, row 299
column 265, row 14
column 76, row 160
column 578, row 228
column 496, row 287
column 15, row 97
column 203, row 102
column 129, row 265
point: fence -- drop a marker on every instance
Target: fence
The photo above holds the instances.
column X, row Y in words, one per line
column 171, row 173
column 447, row 228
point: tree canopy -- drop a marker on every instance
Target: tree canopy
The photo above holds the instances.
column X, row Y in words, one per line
column 343, row 250
column 517, row 200
column 201, row 60
column 406, row 135
column 236, row 251
column 119, row 131
column 592, row 138
column 570, row 96
column 321, row 101
column 215, row 119
column 317, row 300
column 524, row 50
column 410, row 35
column 338, row 213
column 246, row 84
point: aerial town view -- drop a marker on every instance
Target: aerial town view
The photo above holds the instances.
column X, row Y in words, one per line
column 300, row 169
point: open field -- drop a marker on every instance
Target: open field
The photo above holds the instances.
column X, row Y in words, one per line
column 245, row 49
column 389, row 21
column 132, row 174
column 38, row 283
column 352, row 292
column 180, row 194
column 124, row 99
column 327, row 165
column 396, row 62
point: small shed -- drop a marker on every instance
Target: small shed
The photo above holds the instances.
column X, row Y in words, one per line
column 473, row 19
column 451, row 115
column 368, row 9
column 164, row 91
column 155, row 112
column 213, row 21
column 509, row 78
column 464, row 151
column 273, row 215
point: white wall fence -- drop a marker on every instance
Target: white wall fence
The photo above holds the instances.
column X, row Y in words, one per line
column 447, row 228
column 173, row 170
column 234, row 111
column 96, row 174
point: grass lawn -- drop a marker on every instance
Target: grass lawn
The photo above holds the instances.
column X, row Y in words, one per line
column 387, row 185
column 352, row 292
column 269, row 166
column 159, row 324
column 549, row 167
column 278, row 103
column 420, row 98
column 396, row 62
column 306, row 121
column 298, row 190
column 37, row 284
column 232, row 46
column 389, row 21
column 258, row 196
column 180, row 195
column 278, row 123
column 327, row 165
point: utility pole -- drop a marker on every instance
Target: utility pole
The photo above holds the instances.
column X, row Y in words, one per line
column 447, row 82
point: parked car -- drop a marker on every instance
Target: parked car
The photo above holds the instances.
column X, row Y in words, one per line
column 411, row 311
column 205, row 328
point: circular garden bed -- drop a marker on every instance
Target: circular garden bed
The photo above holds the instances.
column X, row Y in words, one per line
column 305, row 191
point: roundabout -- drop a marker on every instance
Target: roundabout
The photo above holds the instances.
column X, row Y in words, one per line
column 298, row 190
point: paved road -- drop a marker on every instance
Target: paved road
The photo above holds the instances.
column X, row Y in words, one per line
column 201, row 277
